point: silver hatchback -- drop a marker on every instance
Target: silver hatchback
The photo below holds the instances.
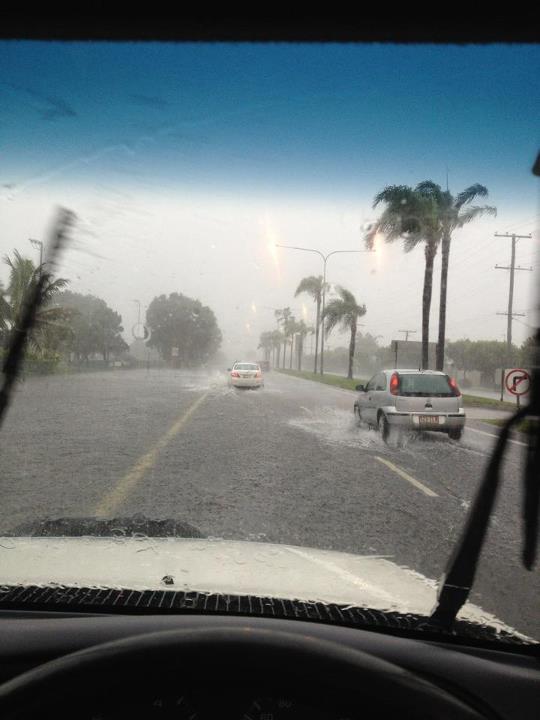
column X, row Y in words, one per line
column 411, row 400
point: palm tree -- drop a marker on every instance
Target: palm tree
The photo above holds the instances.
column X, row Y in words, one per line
column 282, row 317
column 344, row 311
column 455, row 212
column 277, row 339
column 412, row 216
column 426, row 214
column 23, row 279
column 301, row 331
column 290, row 328
column 313, row 286
column 266, row 343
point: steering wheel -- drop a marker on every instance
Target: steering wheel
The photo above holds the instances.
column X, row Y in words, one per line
column 226, row 657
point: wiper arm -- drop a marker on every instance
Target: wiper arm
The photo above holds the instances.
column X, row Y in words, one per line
column 458, row 579
column 19, row 335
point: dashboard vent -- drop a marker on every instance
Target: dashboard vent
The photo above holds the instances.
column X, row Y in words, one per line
column 110, row 600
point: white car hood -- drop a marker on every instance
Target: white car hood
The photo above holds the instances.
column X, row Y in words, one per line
column 226, row 567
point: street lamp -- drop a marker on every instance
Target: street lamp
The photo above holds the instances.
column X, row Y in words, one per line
column 325, row 260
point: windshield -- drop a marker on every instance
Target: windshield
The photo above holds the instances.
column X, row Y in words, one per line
column 420, row 384
column 328, row 212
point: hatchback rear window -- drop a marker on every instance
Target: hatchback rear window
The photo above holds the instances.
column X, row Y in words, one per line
column 419, row 384
column 246, row 366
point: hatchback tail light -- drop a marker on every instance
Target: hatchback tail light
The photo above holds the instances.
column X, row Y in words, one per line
column 394, row 384
column 454, row 386
column 258, row 374
column 235, row 373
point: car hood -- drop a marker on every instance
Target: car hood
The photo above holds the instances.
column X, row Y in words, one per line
column 226, row 567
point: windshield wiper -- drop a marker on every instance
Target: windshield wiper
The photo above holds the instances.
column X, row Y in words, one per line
column 458, row 579
column 19, row 333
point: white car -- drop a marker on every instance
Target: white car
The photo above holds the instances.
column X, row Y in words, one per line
column 245, row 374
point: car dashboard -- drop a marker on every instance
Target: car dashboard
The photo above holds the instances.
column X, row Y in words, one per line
column 237, row 684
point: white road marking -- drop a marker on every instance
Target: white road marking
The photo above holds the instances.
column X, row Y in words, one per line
column 417, row 484
column 306, row 409
column 493, row 435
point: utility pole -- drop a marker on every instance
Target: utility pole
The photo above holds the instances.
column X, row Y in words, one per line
column 510, row 314
column 407, row 333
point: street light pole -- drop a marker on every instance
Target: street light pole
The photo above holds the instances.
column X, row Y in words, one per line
column 323, row 300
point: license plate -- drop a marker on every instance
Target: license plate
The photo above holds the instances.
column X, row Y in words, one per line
column 428, row 420
column 245, row 375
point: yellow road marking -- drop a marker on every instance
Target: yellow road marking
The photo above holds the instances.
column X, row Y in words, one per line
column 417, row 484
column 118, row 494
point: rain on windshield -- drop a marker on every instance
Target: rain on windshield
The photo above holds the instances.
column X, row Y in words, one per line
column 319, row 214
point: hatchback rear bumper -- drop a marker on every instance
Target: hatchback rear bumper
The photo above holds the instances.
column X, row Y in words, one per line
column 419, row 421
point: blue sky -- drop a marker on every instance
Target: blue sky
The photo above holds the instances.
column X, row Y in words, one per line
column 192, row 160
column 322, row 119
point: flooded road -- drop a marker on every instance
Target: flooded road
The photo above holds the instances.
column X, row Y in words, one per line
column 284, row 464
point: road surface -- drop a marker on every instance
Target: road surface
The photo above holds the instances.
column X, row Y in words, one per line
column 286, row 464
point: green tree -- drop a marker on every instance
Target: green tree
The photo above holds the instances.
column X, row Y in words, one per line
column 461, row 352
column 527, row 352
column 487, row 356
column 178, row 321
column 313, row 286
column 50, row 319
column 95, row 327
column 366, row 352
column 344, row 311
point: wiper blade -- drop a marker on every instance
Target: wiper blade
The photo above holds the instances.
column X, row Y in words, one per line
column 19, row 335
column 458, row 579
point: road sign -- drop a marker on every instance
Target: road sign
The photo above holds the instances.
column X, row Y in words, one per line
column 517, row 382
column 140, row 331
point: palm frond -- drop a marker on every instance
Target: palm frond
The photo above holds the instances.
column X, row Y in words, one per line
column 394, row 195
column 333, row 314
column 346, row 295
column 469, row 194
column 312, row 285
column 473, row 212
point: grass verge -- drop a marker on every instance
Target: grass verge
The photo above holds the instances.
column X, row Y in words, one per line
column 342, row 382
column 476, row 401
column 335, row 380
column 525, row 426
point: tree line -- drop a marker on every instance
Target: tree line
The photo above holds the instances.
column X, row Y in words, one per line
column 76, row 327
column 342, row 311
